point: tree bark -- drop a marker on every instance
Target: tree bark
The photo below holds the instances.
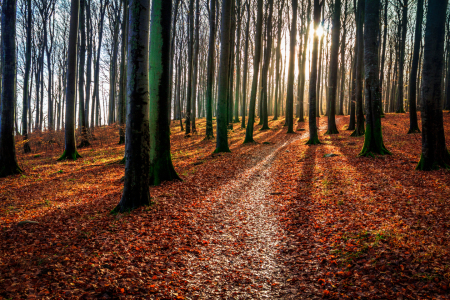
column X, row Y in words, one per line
column 256, row 64
column 413, row 124
column 137, row 146
column 313, row 136
column 223, row 84
column 210, row 72
column 70, row 148
column 8, row 159
column 359, row 130
column 333, row 80
column 373, row 139
column 244, row 79
column 401, row 68
column 265, row 69
column 434, row 151
column 25, row 102
column 290, row 80
column 161, row 167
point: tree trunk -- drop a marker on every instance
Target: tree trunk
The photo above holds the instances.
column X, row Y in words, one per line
column 383, row 51
column 8, row 159
column 334, row 57
column 195, row 67
column 223, row 84
column 413, row 124
column 161, row 167
column 210, row 72
column 84, row 138
column 256, row 64
column 434, row 150
column 137, row 146
column 238, row 63
column 359, row 130
column 313, row 136
column 400, row 108
column 265, row 69
column 123, row 76
column 373, row 139
column 25, row 102
column 344, row 36
column 190, row 66
column 70, row 148
column 290, row 80
column 244, row 80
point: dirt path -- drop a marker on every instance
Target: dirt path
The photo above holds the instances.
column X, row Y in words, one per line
column 241, row 258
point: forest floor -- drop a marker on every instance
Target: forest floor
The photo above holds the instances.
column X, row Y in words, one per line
column 272, row 220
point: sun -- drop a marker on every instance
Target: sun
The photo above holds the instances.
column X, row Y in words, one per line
column 319, row 31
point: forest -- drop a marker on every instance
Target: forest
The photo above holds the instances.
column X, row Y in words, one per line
column 224, row 149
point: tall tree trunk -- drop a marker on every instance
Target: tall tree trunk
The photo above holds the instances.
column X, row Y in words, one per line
column 313, row 136
column 434, row 150
column 303, row 69
column 265, row 69
column 256, row 64
column 223, row 84
column 210, row 72
column 359, row 130
column 25, row 102
column 195, row 67
column 161, row 167
column 401, row 68
column 8, row 159
column 238, row 62
column 290, row 81
column 334, row 58
column 88, row 63
column 137, row 146
column 123, row 76
column 383, row 51
column 113, row 71
column 344, row 36
column 413, row 124
column 84, row 138
column 190, row 66
column 70, row 147
column 96, row 111
column 244, row 79
column 373, row 139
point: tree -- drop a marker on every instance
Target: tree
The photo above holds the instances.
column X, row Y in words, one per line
column 190, row 66
column 373, row 139
column 413, row 125
column 123, row 76
column 256, row 64
column 238, row 61
column 223, row 84
column 70, row 148
column 8, row 159
column 210, row 71
column 195, row 66
column 434, row 151
column 401, row 63
column 359, row 129
column 313, row 137
column 290, row 80
column 344, row 36
column 244, row 79
column 84, row 137
column 161, row 167
column 137, row 145
column 278, row 57
column 25, row 108
column 333, row 80
column 265, row 69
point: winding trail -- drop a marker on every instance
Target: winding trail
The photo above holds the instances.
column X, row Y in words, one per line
column 241, row 259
